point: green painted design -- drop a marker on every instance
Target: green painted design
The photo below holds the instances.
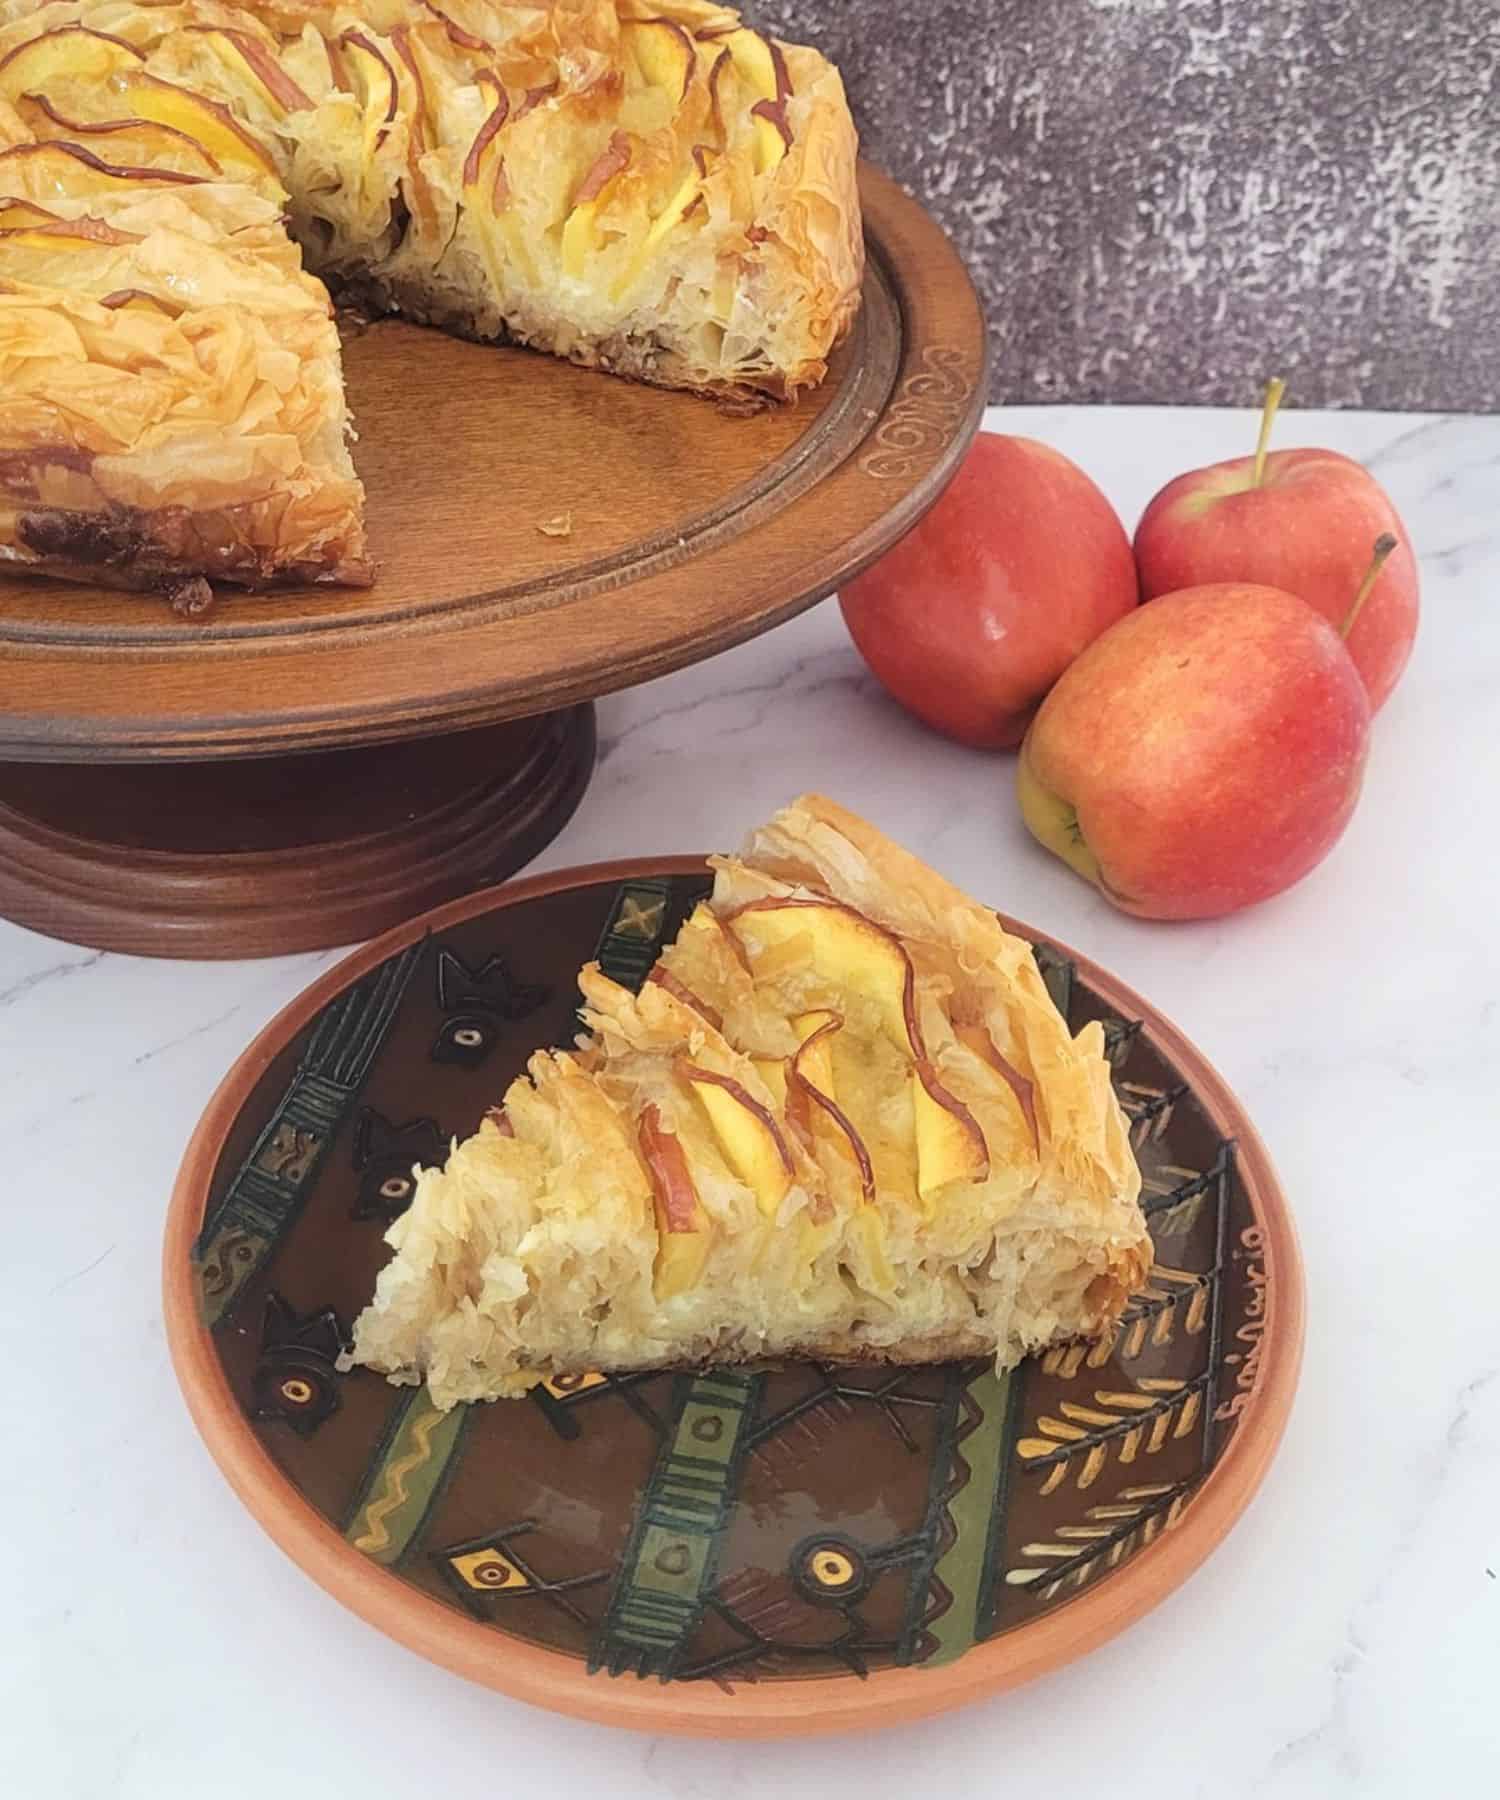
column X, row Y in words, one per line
column 632, row 937
column 977, row 1510
column 266, row 1192
column 1060, row 975
column 401, row 1484
column 669, row 1565
column 924, row 1595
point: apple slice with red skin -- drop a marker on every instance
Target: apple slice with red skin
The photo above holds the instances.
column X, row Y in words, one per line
column 423, row 131
column 69, row 51
column 747, row 1133
column 773, row 133
column 423, row 123
column 612, row 160
column 69, row 234
column 682, row 1223
column 978, row 1039
column 243, row 55
column 49, row 255
column 119, row 139
column 210, row 123
column 663, row 53
column 137, row 300
column 757, row 58
column 723, row 63
column 687, row 196
column 484, row 168
column 23, row 215
column 678, row 1208
column 945, row 1132
column 500, row 1119
column 465, row 40
column 686, row 199
column 535, row 96
column 810, row 1076
column 578, row 239
column 855, row 953
column 761, row 64
column 374, row 85
column 76, row 173
column 485, row 135
column 684, row 995
column 773, row 129
column 813, row 1058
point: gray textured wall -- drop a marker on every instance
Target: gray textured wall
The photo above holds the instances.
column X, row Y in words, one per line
column 1164, row 200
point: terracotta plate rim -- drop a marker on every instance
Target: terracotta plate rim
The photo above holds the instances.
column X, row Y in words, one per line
column 819, row 1704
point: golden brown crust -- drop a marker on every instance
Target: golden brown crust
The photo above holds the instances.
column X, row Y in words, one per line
column 171, row 401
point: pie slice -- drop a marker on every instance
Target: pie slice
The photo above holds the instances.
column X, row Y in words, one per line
column 652, row 189
column 841, row 1119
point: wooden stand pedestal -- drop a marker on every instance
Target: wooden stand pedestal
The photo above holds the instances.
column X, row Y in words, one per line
column 257, row 858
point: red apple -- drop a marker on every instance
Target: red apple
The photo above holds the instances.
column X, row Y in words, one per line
column 1301, row 520
column 979, row 609
column 1203, row 754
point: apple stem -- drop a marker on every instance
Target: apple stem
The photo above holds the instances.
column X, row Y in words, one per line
column 1275, row 388
column 1384, row 545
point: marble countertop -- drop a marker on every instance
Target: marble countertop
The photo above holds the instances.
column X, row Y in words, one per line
column 1345, row 1639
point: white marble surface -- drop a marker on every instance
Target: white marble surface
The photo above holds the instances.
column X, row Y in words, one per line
column 1346, row 1639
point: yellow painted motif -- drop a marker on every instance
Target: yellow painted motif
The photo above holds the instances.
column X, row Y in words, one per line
column 488, row 1571
column 831, row 1568
column 290, row 1153
column 638, row 920
column 376, row 1535
column 561, row 1386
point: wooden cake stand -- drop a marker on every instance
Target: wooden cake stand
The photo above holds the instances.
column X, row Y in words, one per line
column 311, row 767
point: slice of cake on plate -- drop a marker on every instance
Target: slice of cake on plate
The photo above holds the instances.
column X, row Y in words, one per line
column 842, row 1119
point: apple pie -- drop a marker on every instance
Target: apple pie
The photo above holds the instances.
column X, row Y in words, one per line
column 642, row 186
column 841, row 1119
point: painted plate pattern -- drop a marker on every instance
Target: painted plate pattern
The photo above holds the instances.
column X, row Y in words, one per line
column 734, row 1527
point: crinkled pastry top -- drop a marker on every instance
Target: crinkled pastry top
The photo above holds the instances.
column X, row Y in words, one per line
column 841, row 1119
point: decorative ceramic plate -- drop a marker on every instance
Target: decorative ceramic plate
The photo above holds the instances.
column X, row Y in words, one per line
column 741, row 1552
